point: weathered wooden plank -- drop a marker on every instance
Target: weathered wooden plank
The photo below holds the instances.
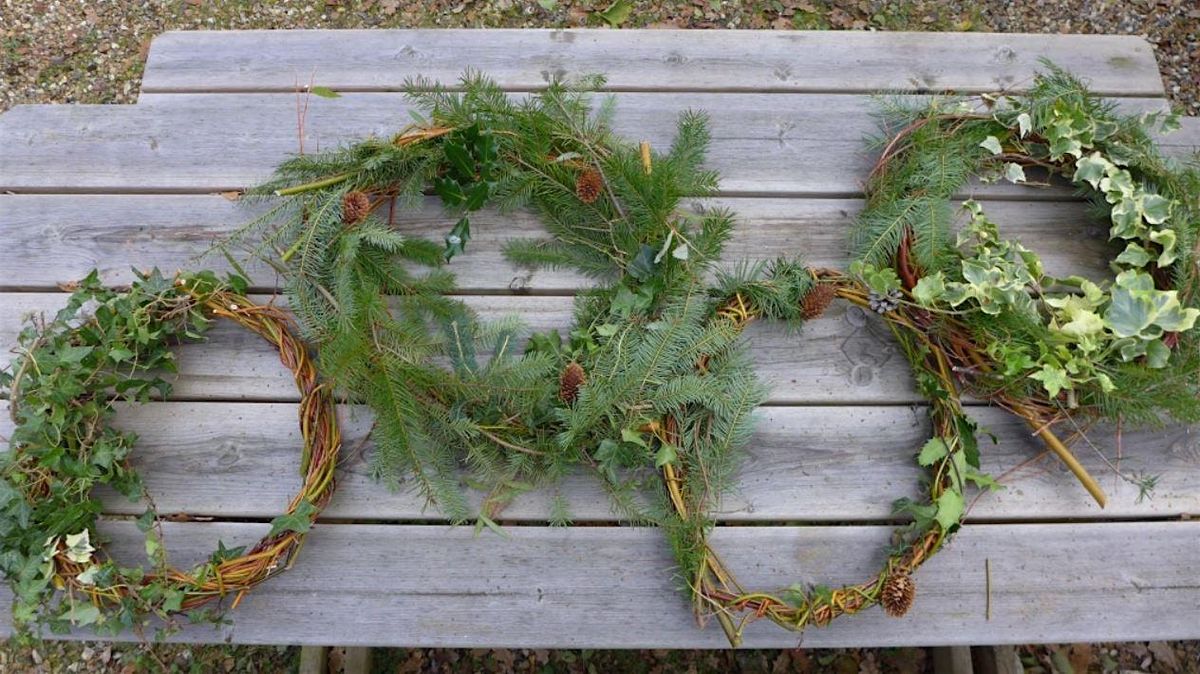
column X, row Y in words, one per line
column 846, row 356
column 813, row 464
column 54, row 239
column 640, row 60
column 611, row 587
column 781, row 144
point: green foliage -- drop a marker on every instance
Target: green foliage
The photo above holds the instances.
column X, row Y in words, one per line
column 451, row 392
column 103, row 348
column 1092, row 342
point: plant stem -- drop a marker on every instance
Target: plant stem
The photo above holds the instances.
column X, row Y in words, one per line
column 314, row 185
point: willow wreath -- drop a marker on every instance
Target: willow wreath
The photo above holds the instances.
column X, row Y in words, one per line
column 108, row 346
column 1052, row 350
column 652, row 388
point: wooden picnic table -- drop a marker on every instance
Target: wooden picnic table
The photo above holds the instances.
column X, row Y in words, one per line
column 116, row 187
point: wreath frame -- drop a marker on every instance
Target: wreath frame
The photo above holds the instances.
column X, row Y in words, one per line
column 1070, row 346
column 92, row 588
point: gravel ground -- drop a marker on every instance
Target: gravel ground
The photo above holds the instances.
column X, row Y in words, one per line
column 74, row 51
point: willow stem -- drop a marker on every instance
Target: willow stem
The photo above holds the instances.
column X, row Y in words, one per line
column 1089, row 483
column 314, row 185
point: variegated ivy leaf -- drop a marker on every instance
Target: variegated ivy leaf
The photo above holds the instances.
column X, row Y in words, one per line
column 1024, row 123
column 1092, row 169
column 1014, row 173
column 1127, row 221
column 1134, row 255
column 1165, row 238
column 929, row 289
column 1155, row 208
column 992, row 144
column 79, row 547
column 1157, row 354
column 1139, row 310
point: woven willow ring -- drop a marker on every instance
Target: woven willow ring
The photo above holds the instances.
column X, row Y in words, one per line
column 1054, row 351
column 950, row 459
column 63, row 385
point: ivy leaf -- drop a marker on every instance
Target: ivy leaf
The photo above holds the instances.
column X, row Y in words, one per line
column 665, row 454
column 617, row 13
column 1014, row 173
column 1167, row 239
column 324, row 92
column 119, row 354
column 548, row 5
column 1091, row 169
column 1024, row 123
column 1054, row 379
column 680, row 252
column 82, row 614
column 992, row 144
column 1134, row 255
column 950, row 507
column 299, row 521
column 929, row 289
column 642, row 267
column 1156, row 208
column 1157, row 354
column 632, row 436
column 933, row 450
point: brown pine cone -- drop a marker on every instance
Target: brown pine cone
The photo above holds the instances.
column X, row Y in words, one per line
column 569, row 381
column 898, row 593
column 355, row 206
column 817, row 301
column 588, row 186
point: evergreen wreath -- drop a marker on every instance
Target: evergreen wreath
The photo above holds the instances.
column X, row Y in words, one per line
column 1052, row 350
column 108, row 346
column 652, row 389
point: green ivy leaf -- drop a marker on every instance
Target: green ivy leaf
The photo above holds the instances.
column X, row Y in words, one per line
column 82, row 614
column 934, row 449
column 633, row 437
column 950, row 506
column 665, row 454
column 299, row 521
column 1054, row 379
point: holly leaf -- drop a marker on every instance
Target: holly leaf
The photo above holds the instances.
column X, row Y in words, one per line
column 299, row 521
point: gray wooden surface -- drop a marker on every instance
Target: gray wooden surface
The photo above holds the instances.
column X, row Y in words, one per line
column 121, row 186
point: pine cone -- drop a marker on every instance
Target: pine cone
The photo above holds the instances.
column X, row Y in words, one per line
column 588, row 185
column 898, row 593
column 569, row 381
column 817, row 301
column 355, row 206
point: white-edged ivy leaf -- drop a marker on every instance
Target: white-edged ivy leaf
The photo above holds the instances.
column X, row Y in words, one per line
column 992, row 144
column 680, row 252
column 324, row 92
column 1024, row 123
column 1014, row 173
